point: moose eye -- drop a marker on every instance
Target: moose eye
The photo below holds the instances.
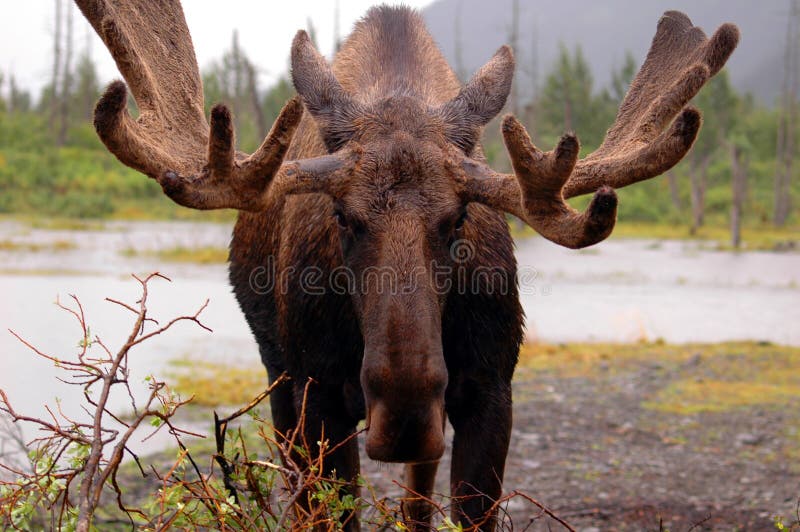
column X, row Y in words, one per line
column 461, row 219
column 341, row 221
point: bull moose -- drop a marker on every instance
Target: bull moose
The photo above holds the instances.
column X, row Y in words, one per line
column 377, row 164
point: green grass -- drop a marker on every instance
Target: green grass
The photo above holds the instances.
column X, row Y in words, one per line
column 199, row 255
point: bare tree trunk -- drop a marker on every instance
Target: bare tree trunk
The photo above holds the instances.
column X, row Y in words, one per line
column 55, row 80
column 567, row 111
column 66, row 82
column 739, row 183
column 514, row 41
column 534, row 59
column 87, row 97
column 787, row 125
column 252, row 88
column 459, row 43
column 237, row 80
column 697, row 176
column 337, row 37
column 531, row 109
column 674, row 191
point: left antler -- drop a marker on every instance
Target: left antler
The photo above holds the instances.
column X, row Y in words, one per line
column 637, row 147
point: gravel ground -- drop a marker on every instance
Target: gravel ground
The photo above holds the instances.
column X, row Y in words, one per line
column 588, row 450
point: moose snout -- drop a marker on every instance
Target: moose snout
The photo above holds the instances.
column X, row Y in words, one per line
column 405, row 408
column 413, row 436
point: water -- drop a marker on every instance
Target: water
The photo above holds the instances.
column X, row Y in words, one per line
column 621, row 290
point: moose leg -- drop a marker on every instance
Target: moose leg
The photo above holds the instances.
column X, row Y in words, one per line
column 419, row 481
column 281, row 402
column 482, row 433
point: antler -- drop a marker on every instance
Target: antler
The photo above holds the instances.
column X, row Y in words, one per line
column 637, row 147
column 171, row 141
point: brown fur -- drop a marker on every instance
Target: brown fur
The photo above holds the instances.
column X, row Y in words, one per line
column 386, row 175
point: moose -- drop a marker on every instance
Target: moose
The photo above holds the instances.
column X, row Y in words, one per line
column 377, row 163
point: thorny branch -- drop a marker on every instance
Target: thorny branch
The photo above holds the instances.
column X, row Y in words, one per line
column 88, row 455
column 91, row 440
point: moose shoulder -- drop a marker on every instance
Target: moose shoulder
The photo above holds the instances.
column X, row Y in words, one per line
column 372, row 214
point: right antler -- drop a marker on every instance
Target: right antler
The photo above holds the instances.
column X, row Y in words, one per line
column 639, row 145
column 171, row 141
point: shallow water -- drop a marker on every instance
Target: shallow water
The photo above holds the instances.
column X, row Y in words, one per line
column 621, row 290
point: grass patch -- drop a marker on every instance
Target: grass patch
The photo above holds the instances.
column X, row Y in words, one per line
column 201, row 255
column 55, row 246
column 740, row 376
column 216, row 383
column 587, row 359
column 46, row 272
column 62, row 224
column 761, row 238
column 692, row 396
column 755, row 238
column 703, row 377
column 161, row 208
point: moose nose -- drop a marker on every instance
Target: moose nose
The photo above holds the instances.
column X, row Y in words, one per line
column 414, row 436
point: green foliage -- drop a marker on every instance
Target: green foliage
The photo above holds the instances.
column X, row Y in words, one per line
column 568, row 101
column 82, row 180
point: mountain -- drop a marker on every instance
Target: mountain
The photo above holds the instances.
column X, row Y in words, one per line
column 606, row 31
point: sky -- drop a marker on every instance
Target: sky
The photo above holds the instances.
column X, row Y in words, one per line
column 266, row 29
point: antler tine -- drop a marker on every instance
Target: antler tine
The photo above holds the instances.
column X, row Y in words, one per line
column 681, row 59
column 534, row 192
column 152, row 47
column 171, row 141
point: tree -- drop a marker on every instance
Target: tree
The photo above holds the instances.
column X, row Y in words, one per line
column 718, row 101
column 739, row 163
column 66, row 83
column 621, row 79
column 567, row 102
column 86, row 89
column 19, row 101
column 337, row 37
column 233, row 81
column 56, row 73
column 513, row 39
column 461, row 71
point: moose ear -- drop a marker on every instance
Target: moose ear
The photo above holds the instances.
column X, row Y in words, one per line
column 479, row 101
column 332, row 108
